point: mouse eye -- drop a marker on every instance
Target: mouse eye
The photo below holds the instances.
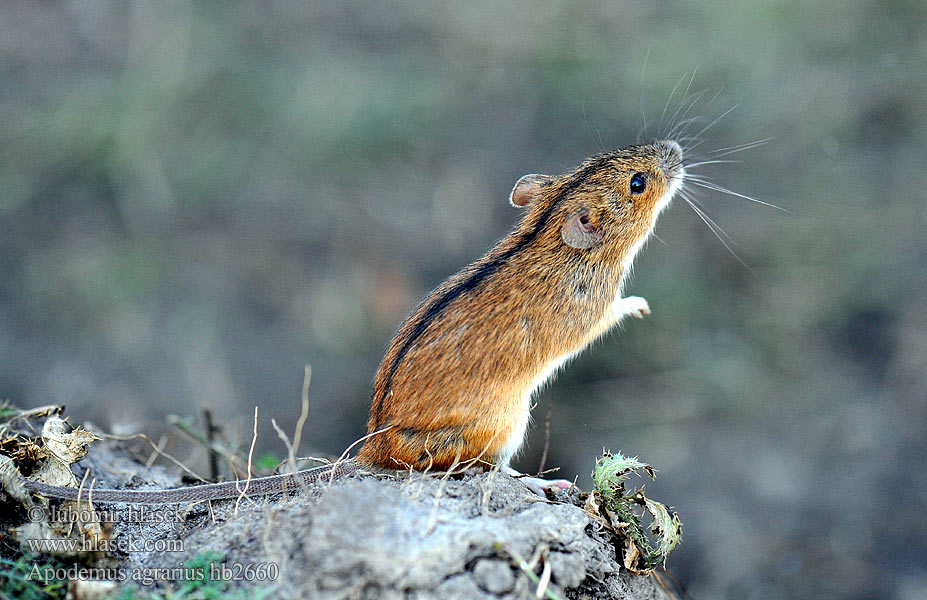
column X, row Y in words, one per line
column 638, row 183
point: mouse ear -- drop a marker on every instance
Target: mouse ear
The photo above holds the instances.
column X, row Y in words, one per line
column 527, row 188
column 579, row 232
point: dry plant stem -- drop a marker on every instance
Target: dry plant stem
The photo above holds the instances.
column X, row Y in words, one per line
column 244, row 490
column 303, row 417
column 487, row 489
column 528, row 571
column 433, row 517
column 287, row 444
column 292, row 447
column 348, row 449
column 93, row 484
column 290, row 462
column 550, row 410
column 162, row 442
column 80, row 488
column 544, row 582
column 548, row 471
column 463, row 467
column 211, row 431
column 661, row 581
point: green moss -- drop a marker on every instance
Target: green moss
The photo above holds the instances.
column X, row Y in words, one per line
column 17, row 579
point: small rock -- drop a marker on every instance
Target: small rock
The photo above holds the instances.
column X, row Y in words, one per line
column 494, row 576
column 568, row 569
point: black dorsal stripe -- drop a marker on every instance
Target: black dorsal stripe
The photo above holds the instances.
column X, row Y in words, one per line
column 480, row 274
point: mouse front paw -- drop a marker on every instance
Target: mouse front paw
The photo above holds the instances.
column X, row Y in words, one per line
column 634, row 306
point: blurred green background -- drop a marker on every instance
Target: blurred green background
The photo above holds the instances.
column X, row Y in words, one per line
column 196, row 199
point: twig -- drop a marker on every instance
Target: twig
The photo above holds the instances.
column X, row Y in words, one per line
column 25, row 415
column 526, row 569
column 303, row 416
column 344, row 454
column 156, row 451
column 211, row 454
column 80, row 488
column 544, row 582
column 487, row 489
column 291, row 461
column 292, row 447
column 244, row 491
column 536, row 557
column 39, row 411
column 433, row 517
column 453, row 470
column 550, row 410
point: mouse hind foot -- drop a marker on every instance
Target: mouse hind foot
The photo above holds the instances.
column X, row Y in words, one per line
column 538, row 485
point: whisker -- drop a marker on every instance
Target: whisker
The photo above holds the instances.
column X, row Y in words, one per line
column 679, row 120
column 713, row 123
column 698, row 136
column 715, row 97
column 643, row 113
column 665, row 106
column 708, row 222
column 691, row 79
column 680, row 123
column 711, row 162
column 641, row 134
column 684, row 138
column 700, row 177
column 688, row 143
column 691, row 200
column 738, row 148
column 717, row 188
column 589, row 129
column 687, row 102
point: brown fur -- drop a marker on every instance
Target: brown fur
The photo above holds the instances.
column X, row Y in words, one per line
column 460, row 388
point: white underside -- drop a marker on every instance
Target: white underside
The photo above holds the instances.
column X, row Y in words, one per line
column 518, row 434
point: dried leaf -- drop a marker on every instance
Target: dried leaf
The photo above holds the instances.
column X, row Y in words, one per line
column 631, row 554
column 68, row 446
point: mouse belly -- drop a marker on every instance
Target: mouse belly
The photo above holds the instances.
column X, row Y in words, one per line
column 517, row 438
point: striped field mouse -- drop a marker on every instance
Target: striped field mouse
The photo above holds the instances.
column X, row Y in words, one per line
column 455, row 385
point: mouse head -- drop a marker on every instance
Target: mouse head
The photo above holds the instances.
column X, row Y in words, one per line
column 606, row 206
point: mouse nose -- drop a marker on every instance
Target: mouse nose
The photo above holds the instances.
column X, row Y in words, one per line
column 670, row 156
